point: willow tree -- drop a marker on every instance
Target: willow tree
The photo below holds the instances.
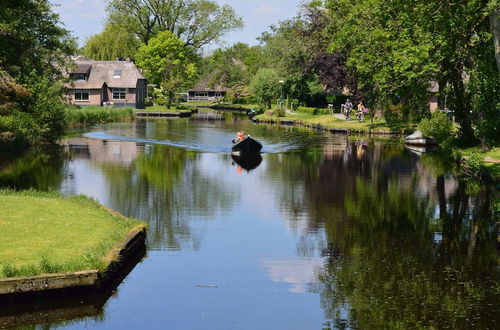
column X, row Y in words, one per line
column 113, row 42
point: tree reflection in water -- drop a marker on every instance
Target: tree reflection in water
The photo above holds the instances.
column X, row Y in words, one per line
column 164, row 186
column 405, row 247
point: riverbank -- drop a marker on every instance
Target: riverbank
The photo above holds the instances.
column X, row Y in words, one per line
column 45, row 233
column 334, row 124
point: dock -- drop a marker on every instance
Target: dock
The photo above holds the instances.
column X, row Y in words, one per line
column 163, row 114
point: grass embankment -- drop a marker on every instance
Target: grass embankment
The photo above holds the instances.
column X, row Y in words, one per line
column 91, row 115
column 45, row 233
column 490, row 158
column 331, row 122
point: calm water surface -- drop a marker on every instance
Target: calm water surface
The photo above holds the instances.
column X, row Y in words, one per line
column 323, row 232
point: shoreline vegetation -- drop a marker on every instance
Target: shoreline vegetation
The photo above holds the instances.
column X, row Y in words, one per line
column 46, row 233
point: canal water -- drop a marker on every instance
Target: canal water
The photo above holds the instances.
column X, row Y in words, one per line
column 322, row 231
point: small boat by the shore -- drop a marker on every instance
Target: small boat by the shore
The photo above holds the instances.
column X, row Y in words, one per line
column 418, row 139
column 247, row 146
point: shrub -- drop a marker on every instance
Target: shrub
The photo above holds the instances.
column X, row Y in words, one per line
column 313, row 111
column 439, row 127
column 245, row 100
column 473, row 164
column 394, row 113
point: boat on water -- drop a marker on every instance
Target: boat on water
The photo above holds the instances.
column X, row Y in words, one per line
column 418, row 139
column 247, row 146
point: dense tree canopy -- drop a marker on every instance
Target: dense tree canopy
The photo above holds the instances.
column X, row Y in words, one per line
column 196, row 22
column 33, row 51
column 113, row 42
column 166, row 62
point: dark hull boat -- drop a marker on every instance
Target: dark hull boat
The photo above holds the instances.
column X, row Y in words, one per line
column 247, row 146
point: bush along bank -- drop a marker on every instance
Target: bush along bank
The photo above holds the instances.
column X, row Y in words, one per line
column 45, row 233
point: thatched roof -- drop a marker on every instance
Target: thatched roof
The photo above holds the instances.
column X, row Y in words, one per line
column 205, row 84
column 100, row 72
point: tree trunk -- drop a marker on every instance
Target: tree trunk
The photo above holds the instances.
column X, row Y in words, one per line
column 462, row 105
column 495, row 29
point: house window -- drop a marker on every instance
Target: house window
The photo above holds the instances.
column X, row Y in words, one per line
column 119, row 93
column 79, row 77
column 117, row 74
column 82, row 95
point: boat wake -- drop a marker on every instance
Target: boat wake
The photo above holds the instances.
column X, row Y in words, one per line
column 215, row 147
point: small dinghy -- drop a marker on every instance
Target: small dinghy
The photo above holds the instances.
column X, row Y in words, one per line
column 247, row 146
column 418, row 139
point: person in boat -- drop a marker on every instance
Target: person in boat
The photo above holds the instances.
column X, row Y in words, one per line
column 239, row 137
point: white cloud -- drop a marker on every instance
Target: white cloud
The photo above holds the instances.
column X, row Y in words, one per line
column 267, row 10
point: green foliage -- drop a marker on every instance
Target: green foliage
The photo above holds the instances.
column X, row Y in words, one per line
column 472, row 164
column 115, row 41
column 40, row 118
column 196, row 22
column 439, row 127
column 33, row 50
column 394, row 113
column 87, row 116
column 265, row 86
column 313, row 111
column 166, row 63
column 31, row 38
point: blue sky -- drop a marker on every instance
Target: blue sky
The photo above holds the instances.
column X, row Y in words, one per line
column 86, row 17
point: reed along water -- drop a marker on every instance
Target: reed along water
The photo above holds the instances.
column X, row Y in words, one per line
column 321, row 231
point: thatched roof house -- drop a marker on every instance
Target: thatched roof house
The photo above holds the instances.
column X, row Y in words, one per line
column 119, row 83
column 205, row 91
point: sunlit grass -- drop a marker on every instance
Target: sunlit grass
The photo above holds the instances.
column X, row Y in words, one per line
column 330, row 121
column 46, row 233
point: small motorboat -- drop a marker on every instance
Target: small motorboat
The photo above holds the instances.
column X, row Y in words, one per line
column 418, row 139
column 247, row 146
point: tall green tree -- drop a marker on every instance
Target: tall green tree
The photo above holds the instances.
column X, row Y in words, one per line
column 166, row 62
column 113, row 42
column 265, row 86
column 33, row 51
column 196, row 22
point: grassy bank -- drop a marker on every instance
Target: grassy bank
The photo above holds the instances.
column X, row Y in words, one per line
column 78, row 117
column 331, row 122
column 46, row 233
column 491, row 159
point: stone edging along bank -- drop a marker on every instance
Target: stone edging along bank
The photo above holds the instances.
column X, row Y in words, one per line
column 95, row 279
column 320, row 127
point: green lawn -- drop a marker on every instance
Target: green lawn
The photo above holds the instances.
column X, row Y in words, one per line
column 47, row 233
column 330, row 121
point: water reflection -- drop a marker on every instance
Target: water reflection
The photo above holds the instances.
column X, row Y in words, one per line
column 378, row 236
column 247, row 161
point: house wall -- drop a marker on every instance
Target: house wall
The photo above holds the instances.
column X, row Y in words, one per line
column 433, row 103
column 94, row 97
column 129, row 101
